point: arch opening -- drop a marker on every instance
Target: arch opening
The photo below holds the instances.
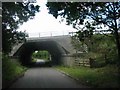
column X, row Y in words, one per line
column 26, row 51
column 41, row 55
column 41, row 58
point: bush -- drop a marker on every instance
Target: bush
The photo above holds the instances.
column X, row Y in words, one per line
column 102, row 49
column 10, row 68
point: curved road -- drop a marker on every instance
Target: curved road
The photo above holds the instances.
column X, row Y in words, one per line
column 44, row 77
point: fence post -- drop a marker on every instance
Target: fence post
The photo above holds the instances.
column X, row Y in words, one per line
column 83, row 63
column 91, row 62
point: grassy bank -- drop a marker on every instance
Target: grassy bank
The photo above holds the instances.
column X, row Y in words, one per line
column 11, row 69
column 95, row 77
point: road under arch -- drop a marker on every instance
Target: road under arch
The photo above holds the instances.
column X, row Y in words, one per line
column 25, row 51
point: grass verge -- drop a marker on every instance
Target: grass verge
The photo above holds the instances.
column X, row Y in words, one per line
column 105, row 77
column 11, row 70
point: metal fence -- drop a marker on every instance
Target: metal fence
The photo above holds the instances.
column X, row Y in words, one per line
column 50, row 34
column 62, row 33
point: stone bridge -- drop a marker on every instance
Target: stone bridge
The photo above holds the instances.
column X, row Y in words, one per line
column 59, row 47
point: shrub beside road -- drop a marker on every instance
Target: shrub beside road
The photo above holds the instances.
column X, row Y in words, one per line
column 11, row 70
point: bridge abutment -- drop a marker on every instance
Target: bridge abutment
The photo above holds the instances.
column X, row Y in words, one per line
column 67, row 60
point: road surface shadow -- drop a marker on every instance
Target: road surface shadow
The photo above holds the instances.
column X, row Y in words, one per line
column 40, row 64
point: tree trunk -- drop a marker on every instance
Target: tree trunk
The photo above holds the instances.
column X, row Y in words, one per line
column 118, row 48
column 116, row 34
column 117, row 38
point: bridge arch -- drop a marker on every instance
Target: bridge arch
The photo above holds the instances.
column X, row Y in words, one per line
column 25, row 51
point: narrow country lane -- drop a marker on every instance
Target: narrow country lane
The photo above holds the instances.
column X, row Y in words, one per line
column 44, row 77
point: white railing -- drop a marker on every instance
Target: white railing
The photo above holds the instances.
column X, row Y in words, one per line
column 61, row 33
column 50, row 34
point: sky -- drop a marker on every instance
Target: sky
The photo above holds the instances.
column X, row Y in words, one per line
column 45, row 24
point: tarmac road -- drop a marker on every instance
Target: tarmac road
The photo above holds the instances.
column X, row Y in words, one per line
column 45, row 77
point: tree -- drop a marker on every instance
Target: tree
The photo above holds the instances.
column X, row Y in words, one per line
column 15, row 14
column 106, row 13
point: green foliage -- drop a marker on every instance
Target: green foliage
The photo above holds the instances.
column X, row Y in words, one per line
column 78, row 45
column 96, row 14
column 100, row 47
column 15, row 14
column 41, row 55
column 75, row 13
column 106, row 77
column 105, row 49
column 10, row 68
